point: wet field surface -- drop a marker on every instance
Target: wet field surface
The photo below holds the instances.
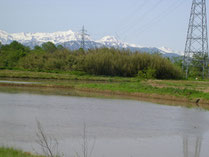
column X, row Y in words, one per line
column 114, row 127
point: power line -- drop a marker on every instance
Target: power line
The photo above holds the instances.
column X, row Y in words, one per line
column 151, row 23
column 159, row 17
column 130, row 17
column 142, row 16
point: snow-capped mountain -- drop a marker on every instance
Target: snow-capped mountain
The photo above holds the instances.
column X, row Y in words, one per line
column 72, row 40
column 56, row 37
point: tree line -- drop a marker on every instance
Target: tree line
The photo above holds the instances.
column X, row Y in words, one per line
column 99, row 61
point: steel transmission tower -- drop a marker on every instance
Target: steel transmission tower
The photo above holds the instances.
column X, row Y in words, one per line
column 196, row 48
column 83, row 37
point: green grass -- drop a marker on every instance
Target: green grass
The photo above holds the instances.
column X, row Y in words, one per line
column 138, row 87
column 76, row 80
column 73, row 75
column 10, row 152
column 191, row 84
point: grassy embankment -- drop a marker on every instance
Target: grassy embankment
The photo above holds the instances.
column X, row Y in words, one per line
column 168, row 90
column 10, row 152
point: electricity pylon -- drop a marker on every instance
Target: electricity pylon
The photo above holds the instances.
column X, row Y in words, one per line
column 196, row 47
column 83, row 36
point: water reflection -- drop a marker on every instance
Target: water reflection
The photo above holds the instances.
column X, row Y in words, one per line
column 17, row 82
column 192, row 146
column 194, row 124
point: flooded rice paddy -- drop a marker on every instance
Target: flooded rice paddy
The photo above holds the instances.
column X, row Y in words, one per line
column 114, row 127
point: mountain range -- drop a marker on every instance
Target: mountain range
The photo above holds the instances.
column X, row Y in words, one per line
column 72, row 40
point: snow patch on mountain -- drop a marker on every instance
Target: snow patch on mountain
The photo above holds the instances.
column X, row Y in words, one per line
column 165, row 49
column 111, row 41
column 168, row 50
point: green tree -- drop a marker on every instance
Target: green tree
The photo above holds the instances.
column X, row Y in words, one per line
column 37, row 48
column 10, row 54
column 49, row 47
column 18, row 46
column 196, row 66
column 60, row 47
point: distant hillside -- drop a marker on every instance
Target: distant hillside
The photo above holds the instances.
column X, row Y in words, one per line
column 72, row 40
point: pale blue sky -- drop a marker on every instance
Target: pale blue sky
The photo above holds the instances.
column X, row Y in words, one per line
column 143, row 22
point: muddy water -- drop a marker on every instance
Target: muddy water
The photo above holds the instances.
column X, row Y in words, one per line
column 114, row 127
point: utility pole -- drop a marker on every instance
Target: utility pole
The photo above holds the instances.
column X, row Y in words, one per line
column 83, row 37
column 196, row 47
